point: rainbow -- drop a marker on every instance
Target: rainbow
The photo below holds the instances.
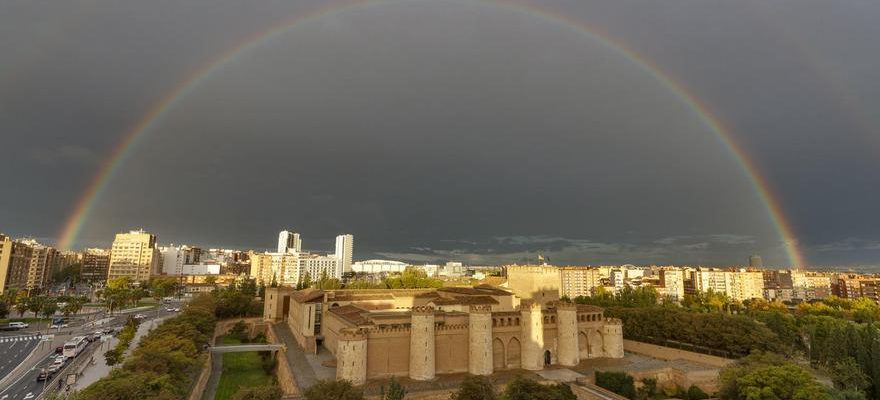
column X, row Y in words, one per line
column 137, row 132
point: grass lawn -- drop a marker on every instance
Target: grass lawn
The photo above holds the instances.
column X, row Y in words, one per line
column 240, row 370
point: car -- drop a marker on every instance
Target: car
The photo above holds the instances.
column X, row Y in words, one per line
column 59, row 350
column 139, row 316
column 169, row 310
column 107, row 331
column 18, row 325
column 53, row 368
column 176, row 310
column 44, row 375
column 59, row 326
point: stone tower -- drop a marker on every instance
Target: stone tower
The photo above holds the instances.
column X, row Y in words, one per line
column 532, row 335
column 421, row 344
column 351, row 356
column 480, row 340
column 567, row 351
column 612, row 335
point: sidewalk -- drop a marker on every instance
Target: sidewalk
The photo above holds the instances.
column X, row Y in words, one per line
column 100, row 369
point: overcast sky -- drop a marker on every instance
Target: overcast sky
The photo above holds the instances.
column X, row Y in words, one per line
column 450, row 130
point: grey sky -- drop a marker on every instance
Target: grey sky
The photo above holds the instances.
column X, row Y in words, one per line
column 451, row 129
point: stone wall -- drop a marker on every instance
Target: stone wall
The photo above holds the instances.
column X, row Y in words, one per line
column 202, row 382
column 283, row 374
column 668, row 353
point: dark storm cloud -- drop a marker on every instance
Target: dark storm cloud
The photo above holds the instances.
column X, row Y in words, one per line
column 451, row 129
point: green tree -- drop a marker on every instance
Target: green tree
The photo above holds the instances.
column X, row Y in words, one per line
column 395, row 390
column 769, row 376
column 475, row 388
column 848, row 375
column 35, row 304
column 526, row 389
column 269, row 392
column 333, row 390
column 695, row 393
column 617, row 382
column 4, row 309
column 22, row 307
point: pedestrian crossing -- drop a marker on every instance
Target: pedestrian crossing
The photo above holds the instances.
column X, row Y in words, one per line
column 10, row 339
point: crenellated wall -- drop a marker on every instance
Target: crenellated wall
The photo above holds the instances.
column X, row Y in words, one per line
column 422, row 342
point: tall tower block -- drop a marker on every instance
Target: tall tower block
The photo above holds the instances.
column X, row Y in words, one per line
column 533, row 335
column 351, row 356
column 480, row 340
column 421, row 344
column 567, row 347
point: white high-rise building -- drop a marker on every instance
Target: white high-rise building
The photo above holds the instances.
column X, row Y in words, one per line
column 174, row 258
column 289, row 242
column 344, row 249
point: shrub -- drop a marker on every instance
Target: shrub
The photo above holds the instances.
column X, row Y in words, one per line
column 617, row 382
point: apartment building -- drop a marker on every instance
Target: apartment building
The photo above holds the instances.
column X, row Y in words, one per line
column 134, row 255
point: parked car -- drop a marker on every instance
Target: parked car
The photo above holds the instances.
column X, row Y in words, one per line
column 18, row 325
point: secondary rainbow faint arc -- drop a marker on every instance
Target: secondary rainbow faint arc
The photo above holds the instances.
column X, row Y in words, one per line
column 131, row 138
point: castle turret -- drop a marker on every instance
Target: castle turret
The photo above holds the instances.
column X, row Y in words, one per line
column 533, row 335
column 612, row 337
column 567, row 334
column 480, row 340
column 351, row 356
column 421, row 344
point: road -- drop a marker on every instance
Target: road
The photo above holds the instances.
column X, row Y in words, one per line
column 15, row 349
column 25, row 386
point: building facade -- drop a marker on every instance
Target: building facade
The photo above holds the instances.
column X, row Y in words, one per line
column 289, row 242
column 15, row 259
column 95, row 264
column 344, row 250
column 134, row 255
column 422, row 333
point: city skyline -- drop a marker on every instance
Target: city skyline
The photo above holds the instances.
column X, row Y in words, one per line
column 593, row 132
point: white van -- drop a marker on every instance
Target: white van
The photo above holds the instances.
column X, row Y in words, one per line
column 18, row 325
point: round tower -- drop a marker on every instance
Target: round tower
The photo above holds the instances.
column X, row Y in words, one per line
column 480, row 340
column 532, row 335
column 567, row 350
column 421, row 344
column 351, row 356
column 612, row 338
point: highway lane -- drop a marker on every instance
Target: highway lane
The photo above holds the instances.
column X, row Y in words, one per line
column 26, row 386
column 14, row 350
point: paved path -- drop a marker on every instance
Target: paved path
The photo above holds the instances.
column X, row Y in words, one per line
column 214, row 380
column 302, row 370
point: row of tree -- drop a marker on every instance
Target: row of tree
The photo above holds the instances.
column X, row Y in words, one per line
column 166, row 360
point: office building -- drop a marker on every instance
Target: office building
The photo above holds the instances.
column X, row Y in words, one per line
column 134, row 255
